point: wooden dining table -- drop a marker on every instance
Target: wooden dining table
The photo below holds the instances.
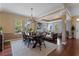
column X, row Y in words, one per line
column 37, row 38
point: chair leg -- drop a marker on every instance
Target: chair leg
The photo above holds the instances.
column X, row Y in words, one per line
column 44, row 44
column 40, row 45
column 33, row 42
column 28, row 43
column 23, row 39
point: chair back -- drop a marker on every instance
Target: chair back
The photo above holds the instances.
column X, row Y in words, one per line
column 24, row 35
column 55, row 36
column 59, row 35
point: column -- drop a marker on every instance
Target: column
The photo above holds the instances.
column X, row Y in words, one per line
column 64, row 30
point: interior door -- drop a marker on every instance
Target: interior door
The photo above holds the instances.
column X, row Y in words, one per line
column 77, row 30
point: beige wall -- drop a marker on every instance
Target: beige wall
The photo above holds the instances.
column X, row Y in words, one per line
column 74, row 19
column 0, row 18
column 7, row 21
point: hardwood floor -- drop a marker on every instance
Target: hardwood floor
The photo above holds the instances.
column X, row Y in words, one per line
column 7, row 50
column 70, row 49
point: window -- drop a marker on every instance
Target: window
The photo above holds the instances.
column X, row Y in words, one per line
column 50, row 27
column 18, row 26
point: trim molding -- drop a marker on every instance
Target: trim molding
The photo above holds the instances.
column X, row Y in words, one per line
column 68, row 12
column 52, row 12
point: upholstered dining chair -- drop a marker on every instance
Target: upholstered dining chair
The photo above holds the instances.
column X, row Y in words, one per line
column 27, row 39
column 24, row 36
column 39, row 40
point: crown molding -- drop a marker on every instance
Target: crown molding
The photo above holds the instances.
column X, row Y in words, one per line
column 51, row 12
column 68, row 12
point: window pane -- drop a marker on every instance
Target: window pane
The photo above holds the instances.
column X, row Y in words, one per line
column 18, row 26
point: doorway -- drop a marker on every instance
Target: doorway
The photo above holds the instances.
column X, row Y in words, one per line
column 77, row 29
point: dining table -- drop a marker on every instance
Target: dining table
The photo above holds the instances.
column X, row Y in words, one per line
column 38, row 38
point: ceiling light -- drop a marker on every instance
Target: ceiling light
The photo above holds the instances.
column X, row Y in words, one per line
column 77, row 19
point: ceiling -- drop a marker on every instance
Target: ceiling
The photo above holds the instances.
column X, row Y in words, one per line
column 39, row 9
column 73, row 8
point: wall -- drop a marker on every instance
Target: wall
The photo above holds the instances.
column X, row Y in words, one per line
column 7, row 22
column 74, row 18
column 0, row 18
column 59, row 23
column 56, row 26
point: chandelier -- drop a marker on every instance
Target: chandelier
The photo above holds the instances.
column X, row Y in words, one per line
column 32, row 18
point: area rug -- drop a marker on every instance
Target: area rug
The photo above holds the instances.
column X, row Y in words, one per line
column 19, row 48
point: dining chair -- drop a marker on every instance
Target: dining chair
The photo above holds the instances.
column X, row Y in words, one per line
column 24, row 36
column 28, row 39
column 39, row 40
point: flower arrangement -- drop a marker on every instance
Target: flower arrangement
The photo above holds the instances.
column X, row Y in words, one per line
column 30, row 29
column 0, row 30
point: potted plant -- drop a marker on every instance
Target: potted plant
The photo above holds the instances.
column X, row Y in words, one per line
column 0, row 30
column 72, row 30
